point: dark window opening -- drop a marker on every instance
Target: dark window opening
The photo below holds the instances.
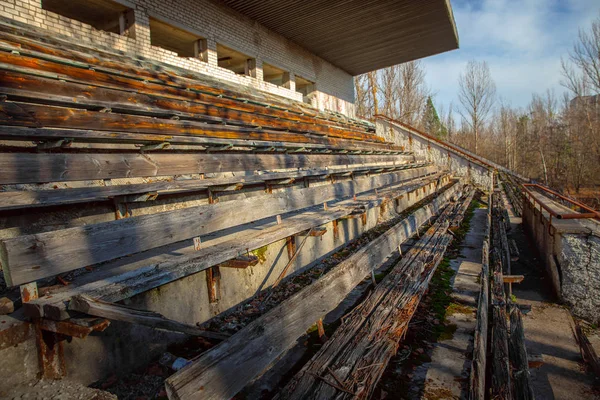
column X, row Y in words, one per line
column 104, row 15
column 235, row 61
column 180, row 41
column 305, row 87
column 276, row 76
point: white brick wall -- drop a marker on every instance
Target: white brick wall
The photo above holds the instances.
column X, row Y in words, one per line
column 219, row 24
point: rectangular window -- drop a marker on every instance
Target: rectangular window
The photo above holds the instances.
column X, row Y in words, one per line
column 182, row 42
column 275, row 75
column 305, row 87
column 235, row 61
column 104, row 15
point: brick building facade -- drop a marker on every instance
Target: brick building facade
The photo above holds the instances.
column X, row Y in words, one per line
column 330, row 87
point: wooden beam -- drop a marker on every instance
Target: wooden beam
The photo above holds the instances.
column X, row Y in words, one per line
column 500, row 379
column 85, row 74
column 31, row 257
column 224, row 370
column 154, row 320
column 202, row 142
column 60, row 167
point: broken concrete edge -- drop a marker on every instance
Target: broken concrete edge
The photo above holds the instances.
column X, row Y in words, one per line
column 570, row 251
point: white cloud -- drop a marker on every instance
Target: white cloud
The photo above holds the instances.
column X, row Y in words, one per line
column 522, row 42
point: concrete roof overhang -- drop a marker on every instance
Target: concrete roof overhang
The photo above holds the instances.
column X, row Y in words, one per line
column 359, row 36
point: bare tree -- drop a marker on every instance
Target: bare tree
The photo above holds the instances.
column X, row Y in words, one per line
column 389, row 96
column 373, row 86
column 398, row 92
column 362, row 96
column 412, row 92
column 477, row 92
column 585, row 55
column 581, row 73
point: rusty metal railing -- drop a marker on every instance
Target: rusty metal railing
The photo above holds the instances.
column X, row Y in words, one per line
column 590, row 213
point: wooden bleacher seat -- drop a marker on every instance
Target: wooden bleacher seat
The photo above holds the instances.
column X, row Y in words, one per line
column 176, row 156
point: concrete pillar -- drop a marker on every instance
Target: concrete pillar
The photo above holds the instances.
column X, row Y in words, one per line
column 211, row 46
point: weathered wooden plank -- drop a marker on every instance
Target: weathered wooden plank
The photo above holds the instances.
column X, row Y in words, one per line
column 141, row 68
column 223, row 370
column 34, row 115
column 477, row 386
column 133, row 275
column 57, row 49
column 32, row 257
column 501, row 382
column 202, row 142
column 190, row 90
column 523, row 389
column 118, row 312
column 29, row 198
column 43, row 90
column 57, row 167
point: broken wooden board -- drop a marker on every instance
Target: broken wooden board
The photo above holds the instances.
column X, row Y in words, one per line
column 133, row 275
column 118, row 312
column 225, row 369
column 359, row 350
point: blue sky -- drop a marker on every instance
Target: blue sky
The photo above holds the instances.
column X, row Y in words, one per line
column 521, row 40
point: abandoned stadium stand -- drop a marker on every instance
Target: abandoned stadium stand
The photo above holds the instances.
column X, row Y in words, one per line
column 140, row 199
column 112, row 165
